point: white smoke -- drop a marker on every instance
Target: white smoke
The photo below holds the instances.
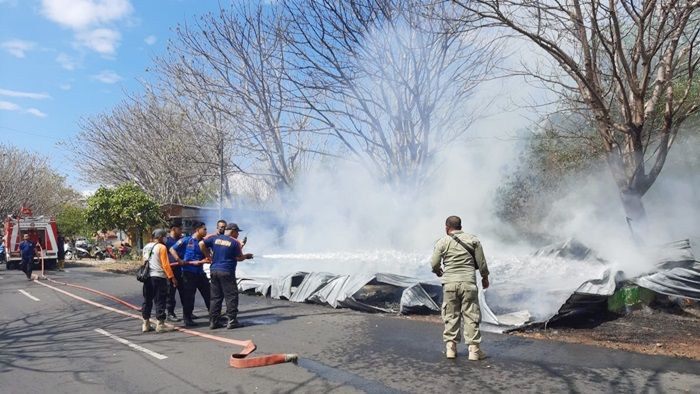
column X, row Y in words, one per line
column 340, row 219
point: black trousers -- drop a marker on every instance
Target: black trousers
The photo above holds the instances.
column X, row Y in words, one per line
column 27, row 266
column 155, row 290
column 170, row 302
column 191, row 282
column 223, row 286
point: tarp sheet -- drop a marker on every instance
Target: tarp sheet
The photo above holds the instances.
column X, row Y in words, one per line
column 676, row 273
column 379, row 292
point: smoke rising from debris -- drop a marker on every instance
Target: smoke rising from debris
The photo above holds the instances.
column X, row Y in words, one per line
column 342, row 219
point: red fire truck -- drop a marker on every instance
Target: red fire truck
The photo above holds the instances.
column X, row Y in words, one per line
column 41, row 230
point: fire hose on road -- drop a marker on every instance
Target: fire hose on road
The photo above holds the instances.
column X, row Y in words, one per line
column 237, row 360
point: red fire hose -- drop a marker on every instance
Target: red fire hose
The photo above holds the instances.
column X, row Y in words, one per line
column 237, row 360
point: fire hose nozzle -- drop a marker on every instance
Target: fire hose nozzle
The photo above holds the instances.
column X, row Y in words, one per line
column 291, row 358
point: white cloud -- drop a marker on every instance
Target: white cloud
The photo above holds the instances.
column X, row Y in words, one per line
column 66, row 61
column 83, row 14
column 8, row 106
column 35, row 112
column 90, row 21
column 150, row 40
column 29, row 95
column 65, row 86
column 107, row 76
column 104, row 41
column 18, row 48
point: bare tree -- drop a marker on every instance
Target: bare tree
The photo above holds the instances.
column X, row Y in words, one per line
column 26, row 179
column 628, row 65
column 390, row 81
column 146, row 141
column 237, row 58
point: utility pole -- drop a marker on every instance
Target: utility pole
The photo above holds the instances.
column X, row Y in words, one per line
column 221, row 173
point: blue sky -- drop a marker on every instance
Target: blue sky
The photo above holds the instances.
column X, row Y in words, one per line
column 63, row 60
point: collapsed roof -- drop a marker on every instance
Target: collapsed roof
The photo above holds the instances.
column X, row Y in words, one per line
column 676, row 273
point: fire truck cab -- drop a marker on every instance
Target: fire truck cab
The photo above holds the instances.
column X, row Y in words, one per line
column 41, row 230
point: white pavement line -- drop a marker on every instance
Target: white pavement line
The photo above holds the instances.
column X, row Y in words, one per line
column 131, row 344
column 29, row 295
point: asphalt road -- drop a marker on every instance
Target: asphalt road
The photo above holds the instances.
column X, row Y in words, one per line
column 61, row 345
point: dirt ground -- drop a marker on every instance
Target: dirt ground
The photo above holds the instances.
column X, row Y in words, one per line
column 647, row 330
column 127, row 267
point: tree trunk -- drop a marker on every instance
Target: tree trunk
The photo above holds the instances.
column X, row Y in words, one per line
column 636, row 215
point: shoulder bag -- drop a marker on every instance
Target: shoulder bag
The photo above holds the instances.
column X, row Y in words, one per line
column 144, row 272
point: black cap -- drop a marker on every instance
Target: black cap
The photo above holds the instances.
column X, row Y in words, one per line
column 159, row 232
column 233, row 226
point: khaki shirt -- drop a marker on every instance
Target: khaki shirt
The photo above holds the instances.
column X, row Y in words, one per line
column 457, row 262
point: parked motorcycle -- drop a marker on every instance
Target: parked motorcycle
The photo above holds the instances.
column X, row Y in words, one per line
column 98, row 253
column 77, row 253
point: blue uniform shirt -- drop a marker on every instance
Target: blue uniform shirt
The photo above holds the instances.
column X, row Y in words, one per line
column 27, row 248
column 169, row 243
column 225, row 249
column 191, row 253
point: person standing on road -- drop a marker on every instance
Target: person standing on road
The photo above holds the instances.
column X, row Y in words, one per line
column 155, row 289
column 193, row 276
column 2, row 251
column 455, row 259
column 28, row 250
column 227, row 252
column 170, row 240
column 61, row 251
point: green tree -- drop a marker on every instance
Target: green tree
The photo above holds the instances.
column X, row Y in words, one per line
column 125, row 207
column 71, row 221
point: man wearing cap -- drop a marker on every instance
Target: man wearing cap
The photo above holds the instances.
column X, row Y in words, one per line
column 155, row 289
column 226, row 252
column 193, row 276
column 455, row 259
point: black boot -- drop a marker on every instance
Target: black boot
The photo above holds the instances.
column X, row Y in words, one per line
column 233, row 324
column 172, row 317
column 189, row 322
column 215, row 323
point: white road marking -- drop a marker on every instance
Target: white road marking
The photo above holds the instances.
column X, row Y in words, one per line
column 29, row 295
column 131, row 344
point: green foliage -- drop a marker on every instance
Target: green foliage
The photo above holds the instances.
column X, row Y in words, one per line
column 125, row 207
column 546, row 166
column 71, row 221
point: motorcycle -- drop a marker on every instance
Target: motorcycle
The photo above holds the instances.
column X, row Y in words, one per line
column 77, row 253
column 124, row 249
column 98, row 253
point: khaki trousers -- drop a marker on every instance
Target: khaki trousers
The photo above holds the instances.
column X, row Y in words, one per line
column 460, row 302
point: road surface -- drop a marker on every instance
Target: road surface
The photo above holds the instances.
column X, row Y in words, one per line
column 50, row 342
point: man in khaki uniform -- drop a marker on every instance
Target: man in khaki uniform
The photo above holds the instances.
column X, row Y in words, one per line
column 455, row 260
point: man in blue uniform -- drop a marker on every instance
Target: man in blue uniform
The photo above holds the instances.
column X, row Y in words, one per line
column 170, row 240
column 226, row 251
column 28, row 249
column 193, row 276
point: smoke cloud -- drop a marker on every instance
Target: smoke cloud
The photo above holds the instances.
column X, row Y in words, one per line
column 339, row 218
